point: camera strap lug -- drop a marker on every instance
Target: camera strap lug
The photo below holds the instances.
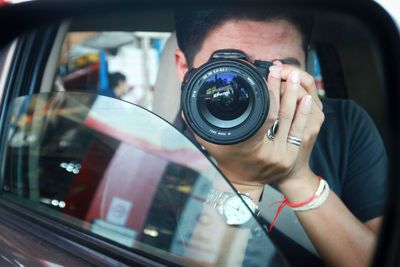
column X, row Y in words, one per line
column 263, row 67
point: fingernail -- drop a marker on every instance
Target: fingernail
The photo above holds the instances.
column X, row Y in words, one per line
column 295, row 76
column 277, row 63
column 275, row 73
column 307, row 103
column 273, row 67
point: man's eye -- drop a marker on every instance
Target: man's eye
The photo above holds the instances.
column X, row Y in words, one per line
column 291, row 61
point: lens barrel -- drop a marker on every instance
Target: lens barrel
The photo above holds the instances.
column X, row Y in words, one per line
column 225, row 101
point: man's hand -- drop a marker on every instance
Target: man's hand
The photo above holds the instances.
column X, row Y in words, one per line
column 258, row 160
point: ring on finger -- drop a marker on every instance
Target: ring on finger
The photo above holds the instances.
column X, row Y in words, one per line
column 273, row 130
column 294, row 140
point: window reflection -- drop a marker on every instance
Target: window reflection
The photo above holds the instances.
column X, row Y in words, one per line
column 123, row 173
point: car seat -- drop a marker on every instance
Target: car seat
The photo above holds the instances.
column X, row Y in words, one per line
column 167, row 89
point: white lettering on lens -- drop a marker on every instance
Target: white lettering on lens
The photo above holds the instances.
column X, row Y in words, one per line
column 219, row 70
column 213, row 131
column 219, row 133
column 213, row 72
column 250, row 81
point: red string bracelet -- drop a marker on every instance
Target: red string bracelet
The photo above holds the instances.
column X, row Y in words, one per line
column 286, row 202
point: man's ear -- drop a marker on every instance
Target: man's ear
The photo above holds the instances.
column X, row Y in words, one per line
column 181, row 64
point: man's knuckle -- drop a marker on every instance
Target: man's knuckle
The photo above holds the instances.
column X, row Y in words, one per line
column 273, row 161
column 322, row 117
column 285, row 114
column 309, row 81
column 296, row 129
column 306, row 137
column 304, row 112
column 285, row 164
column 319, row 120
column 314, row 129
column 260, row 157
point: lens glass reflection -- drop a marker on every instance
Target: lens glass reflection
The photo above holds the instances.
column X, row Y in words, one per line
column 226, row 95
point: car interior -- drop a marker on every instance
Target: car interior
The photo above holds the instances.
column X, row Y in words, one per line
column 347, row 56
column 342, row 56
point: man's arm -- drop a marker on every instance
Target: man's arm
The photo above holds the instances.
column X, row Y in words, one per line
column 374, row 225
column 340, row 238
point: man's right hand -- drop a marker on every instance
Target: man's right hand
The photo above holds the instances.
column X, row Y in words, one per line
column 258, row 160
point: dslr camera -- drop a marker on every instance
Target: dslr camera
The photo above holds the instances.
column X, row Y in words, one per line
column 226, row 100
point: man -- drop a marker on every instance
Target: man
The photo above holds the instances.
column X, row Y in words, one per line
column 338, row 140
column 118, row 85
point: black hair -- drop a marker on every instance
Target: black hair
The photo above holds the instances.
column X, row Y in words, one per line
column 114, row 78
column 193, row 25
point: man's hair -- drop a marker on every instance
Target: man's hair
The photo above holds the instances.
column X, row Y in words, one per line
column 193, row 25
column 114, row 79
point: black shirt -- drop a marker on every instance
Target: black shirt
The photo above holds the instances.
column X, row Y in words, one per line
column 350, row 155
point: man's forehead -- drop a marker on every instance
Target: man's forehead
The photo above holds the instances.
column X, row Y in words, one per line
column 268, row 40
column 277, row 27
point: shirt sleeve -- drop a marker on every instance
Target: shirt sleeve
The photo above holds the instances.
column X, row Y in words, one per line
column 364, row 184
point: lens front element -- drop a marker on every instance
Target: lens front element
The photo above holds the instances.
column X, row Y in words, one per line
column 225, row 101
column 225, row 97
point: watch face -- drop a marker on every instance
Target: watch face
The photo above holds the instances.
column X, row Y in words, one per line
column 236, row 212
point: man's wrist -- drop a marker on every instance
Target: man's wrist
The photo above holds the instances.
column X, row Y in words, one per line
column 253, row 191
column 300, row 186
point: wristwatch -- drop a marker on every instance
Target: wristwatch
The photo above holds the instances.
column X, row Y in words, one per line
column 231, row 206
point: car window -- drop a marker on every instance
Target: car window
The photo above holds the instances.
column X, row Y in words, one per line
column 99, row 164
column 89, row 156
column 6, row 55
column 120, row 64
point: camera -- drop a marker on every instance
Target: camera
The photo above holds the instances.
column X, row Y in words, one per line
column 226, row 100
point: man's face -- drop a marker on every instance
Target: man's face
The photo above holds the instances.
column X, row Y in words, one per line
column 277, row 39
column 122, row 88
column 272, row 40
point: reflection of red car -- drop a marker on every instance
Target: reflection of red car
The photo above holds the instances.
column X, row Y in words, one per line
column 139, row 188
column 3, row 3
column 9, row 2
column 121, row 190
column 88, row 75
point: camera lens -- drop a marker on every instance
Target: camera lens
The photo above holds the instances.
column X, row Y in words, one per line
column 224, row 99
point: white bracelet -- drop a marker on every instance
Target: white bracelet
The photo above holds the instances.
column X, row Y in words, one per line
column 321, row 194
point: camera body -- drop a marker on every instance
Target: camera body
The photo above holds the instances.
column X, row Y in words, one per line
column 226, row 100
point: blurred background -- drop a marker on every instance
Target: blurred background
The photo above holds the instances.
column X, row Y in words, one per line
column 117, row 64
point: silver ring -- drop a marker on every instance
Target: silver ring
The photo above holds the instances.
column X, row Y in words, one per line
column 294, row 140
column 273, row 130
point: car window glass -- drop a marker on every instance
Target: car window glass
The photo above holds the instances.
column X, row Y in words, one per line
column 120, row 64
column 99, row 164
column 6, row 55
column 84, row 156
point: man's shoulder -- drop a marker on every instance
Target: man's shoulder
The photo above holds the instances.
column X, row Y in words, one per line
column 345, row 116
column 346, row 113
column 340, row 107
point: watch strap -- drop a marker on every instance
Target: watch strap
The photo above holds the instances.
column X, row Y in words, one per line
column 216, row 199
